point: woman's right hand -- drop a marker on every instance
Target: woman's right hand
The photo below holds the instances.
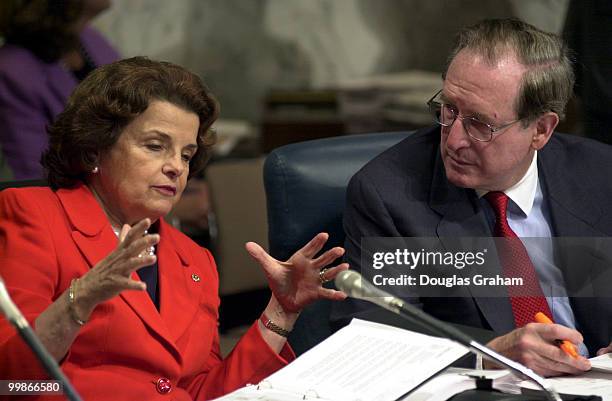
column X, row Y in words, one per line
column 112, row 274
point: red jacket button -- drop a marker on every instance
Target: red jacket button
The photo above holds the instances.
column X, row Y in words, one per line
column 163, row 385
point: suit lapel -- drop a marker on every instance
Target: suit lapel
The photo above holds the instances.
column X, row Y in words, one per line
column 574, row 216
column 179, row 285
column 572, row 210
column 94, row 237
column 90, row 229
column 460, row 217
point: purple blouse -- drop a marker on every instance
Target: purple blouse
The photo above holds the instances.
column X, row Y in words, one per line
column 32, row 94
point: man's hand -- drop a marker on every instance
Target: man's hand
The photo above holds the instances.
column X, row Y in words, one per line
column 606, row 350
column 534, row 345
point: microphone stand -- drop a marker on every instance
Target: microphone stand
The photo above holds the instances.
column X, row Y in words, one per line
column 16, row 318
column 348, row 281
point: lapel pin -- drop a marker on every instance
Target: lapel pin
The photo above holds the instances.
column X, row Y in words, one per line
column 195, row 277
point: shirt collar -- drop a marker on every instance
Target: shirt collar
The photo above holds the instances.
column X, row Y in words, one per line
column 523, row 192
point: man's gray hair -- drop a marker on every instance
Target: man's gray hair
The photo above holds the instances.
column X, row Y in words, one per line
column 549, row 80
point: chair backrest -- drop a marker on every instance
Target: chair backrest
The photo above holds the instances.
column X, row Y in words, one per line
column 238, row 200
column 22, row 183
column 305, row 191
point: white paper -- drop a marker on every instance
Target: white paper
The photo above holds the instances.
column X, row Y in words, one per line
column 367, row 361
column 602, row 363
column 590, row 383
column 257, row 393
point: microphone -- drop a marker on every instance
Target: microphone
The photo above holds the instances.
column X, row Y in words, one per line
column 355, row 286
column 16, row 318
column 9, row 309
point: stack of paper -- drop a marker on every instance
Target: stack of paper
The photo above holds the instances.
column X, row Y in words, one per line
column 602, row 363
column 368, row 361
column 361, row 362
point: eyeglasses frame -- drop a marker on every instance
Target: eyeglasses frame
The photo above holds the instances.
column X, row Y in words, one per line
column 494, row 129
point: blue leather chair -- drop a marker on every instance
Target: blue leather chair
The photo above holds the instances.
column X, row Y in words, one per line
column 305, row 193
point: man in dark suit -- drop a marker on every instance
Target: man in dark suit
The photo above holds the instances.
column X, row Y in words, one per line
column 493, row 166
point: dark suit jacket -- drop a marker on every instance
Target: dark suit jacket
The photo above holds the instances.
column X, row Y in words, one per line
column 48, row 238
column 404, row 193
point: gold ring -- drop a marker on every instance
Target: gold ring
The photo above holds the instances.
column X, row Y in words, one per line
column 322, row 278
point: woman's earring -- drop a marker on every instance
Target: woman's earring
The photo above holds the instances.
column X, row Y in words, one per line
column 95, row 170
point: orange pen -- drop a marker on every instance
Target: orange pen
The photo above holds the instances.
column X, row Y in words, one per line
column 565, row 345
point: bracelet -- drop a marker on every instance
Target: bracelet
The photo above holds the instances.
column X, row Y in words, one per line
column 71, row 301
column 270, row 325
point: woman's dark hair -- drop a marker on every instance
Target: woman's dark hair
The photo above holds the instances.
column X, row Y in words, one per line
column 45, row 27
column 108, row 100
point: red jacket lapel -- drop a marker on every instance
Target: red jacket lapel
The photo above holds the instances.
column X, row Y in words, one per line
column 179, row 283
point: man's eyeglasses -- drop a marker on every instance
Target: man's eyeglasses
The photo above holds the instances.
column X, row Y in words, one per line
column 446, row 114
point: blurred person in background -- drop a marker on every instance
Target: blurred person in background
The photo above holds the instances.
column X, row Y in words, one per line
column 48, row 49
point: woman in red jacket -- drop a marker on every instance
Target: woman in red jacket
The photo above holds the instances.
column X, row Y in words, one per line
column 124, row 302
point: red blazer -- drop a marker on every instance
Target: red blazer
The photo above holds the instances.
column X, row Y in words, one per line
column 48, row 238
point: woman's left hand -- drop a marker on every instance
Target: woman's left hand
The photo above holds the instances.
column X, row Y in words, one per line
column 297, row 282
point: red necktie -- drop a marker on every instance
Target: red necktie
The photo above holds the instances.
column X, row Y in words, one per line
column 528, row 299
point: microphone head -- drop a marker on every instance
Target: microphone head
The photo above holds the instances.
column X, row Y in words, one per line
column 349, row 281
column 355, row 286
